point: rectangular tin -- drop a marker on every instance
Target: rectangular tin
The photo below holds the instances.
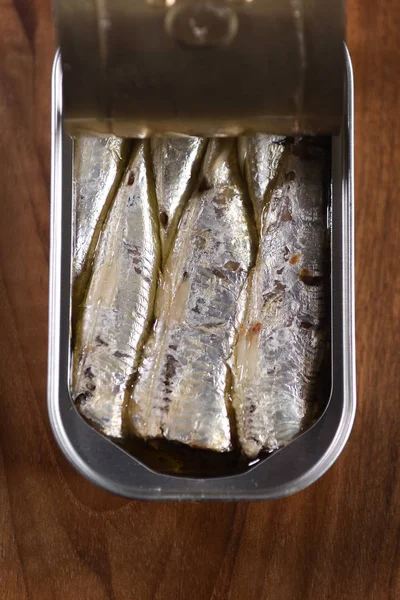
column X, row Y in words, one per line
column 287, row 471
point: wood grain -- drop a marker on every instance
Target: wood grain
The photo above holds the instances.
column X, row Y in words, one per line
column 62, row 538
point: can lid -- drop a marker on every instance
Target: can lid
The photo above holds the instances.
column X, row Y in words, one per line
column 202, row 67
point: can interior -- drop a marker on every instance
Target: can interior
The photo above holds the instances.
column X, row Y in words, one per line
column 176, row 459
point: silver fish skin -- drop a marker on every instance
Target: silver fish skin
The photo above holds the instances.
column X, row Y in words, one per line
column 119, row 303
column 282, row 339
column 176, row 161
column 99, row 164
column 260, row 156
column 182, row 389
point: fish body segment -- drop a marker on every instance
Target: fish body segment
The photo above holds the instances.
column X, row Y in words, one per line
column 176, row 161
column 99, row 164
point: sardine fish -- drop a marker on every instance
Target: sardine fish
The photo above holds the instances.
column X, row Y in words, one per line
column 182, row 391
column 118, row 307
column 281, row 340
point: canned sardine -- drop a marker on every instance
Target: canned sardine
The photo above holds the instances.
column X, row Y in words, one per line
column 208, row 289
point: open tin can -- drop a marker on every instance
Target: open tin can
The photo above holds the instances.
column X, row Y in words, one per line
column 284, row 472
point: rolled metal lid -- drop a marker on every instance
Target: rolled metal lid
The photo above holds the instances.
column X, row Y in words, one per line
column 202, row 67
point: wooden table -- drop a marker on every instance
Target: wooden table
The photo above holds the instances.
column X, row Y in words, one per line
column 62, row 538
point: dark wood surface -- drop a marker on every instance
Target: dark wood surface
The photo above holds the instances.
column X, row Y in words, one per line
column 62, row 538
